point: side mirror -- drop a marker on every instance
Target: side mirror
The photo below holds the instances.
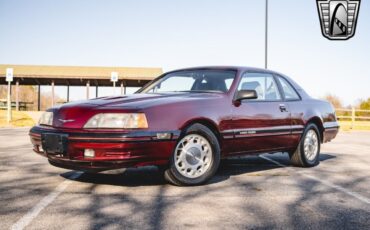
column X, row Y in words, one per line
column 246, row 94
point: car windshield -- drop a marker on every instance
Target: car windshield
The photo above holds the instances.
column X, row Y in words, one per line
column 192, row 81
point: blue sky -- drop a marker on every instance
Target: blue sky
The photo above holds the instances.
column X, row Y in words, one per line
column 176, row 34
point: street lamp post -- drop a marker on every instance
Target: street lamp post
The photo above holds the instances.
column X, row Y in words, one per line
column 266, row 33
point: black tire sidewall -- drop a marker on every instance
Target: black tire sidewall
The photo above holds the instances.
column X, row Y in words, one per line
column 213, row 141
column 307, row 162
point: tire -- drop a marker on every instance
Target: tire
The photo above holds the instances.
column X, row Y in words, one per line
column 308, row 157
column 196, row 157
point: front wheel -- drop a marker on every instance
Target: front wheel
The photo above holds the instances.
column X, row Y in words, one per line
column 308, row 150
column 196, row 157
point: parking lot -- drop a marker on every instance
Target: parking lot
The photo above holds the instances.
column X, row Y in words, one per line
column 250, row 193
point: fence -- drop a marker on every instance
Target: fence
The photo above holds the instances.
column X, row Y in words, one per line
column 354, row 117
column 22, row 105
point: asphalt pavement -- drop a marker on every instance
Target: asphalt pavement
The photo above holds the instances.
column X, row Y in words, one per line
column 257, row 192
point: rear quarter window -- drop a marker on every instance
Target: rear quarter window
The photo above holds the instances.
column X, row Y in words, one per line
column 289, row 92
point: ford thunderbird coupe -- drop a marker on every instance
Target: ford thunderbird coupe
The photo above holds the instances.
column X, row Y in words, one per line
column 186, row 121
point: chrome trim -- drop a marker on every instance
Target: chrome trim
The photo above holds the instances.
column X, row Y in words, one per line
column 265, row 131
column 331, row 125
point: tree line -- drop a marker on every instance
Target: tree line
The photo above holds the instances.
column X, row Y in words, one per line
column 337, row 102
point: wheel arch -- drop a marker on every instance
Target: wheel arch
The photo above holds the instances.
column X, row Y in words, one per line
column 206, row 122
column 319, row 123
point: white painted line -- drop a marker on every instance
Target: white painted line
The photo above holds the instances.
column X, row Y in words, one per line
column 327, row 183
column 34, row 212
column 273, row 161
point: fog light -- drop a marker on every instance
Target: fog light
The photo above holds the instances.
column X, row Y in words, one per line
column 163, row 135
column 89, row 153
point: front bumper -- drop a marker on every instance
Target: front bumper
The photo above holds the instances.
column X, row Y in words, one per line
column 112, row 149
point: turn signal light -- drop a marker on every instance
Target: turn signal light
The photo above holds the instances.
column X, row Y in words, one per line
column 163, row 135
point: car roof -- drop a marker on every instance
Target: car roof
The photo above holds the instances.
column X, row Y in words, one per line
column 237, row 68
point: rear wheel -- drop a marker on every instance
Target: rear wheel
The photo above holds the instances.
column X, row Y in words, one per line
column 196, row 157
column 308, row 150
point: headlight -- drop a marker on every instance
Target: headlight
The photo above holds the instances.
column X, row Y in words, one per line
column 46, row 118
column 118, row 121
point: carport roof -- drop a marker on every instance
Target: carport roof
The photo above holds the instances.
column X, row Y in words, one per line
column 78, row 75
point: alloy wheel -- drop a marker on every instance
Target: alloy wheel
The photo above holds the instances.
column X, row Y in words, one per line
column 193, row 156
column 311, row 145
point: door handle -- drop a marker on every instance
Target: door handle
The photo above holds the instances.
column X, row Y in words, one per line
column 283, row 108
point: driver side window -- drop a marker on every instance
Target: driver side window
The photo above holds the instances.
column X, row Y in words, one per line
column 263, row 83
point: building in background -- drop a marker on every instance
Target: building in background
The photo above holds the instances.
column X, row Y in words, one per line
column 37, row 76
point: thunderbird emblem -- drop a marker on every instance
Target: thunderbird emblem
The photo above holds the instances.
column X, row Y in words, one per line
column 65, row 121
column 338, row 18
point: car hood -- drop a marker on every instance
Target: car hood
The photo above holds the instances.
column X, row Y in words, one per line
column 141, row 101
column 75, row 114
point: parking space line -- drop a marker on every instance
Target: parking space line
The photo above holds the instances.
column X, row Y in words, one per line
column 324, row 182
column 34, row 212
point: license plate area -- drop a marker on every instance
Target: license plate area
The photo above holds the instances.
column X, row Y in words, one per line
column 54, row 143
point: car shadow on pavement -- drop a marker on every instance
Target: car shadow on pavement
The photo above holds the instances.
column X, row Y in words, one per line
column 326, row 156
column 151, row 175
column 242, row 203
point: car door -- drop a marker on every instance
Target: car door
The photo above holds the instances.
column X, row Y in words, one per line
column 293, row 101
column 261, row 124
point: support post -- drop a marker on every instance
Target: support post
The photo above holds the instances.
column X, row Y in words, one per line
column 38, row 97
column 17, row 95
column 124, row 90
column 114, row 88
column 67, row 93
column 266, row 32
column 121, row 87
column 87, row 90
column 97, row 90
column 52, row 93
column 9, row 117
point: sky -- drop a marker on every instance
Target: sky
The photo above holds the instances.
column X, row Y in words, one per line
column 177, row 34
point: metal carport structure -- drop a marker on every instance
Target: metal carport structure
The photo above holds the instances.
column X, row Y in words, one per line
column 89, row 76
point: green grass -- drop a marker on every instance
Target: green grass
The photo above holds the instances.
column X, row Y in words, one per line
column 358, row 125
column 19, row 119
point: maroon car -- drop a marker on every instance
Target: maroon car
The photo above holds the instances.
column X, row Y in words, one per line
column 186, row 121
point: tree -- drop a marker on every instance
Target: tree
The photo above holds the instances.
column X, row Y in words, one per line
column 365, row 104
column 334, row 100
column 46, row 98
